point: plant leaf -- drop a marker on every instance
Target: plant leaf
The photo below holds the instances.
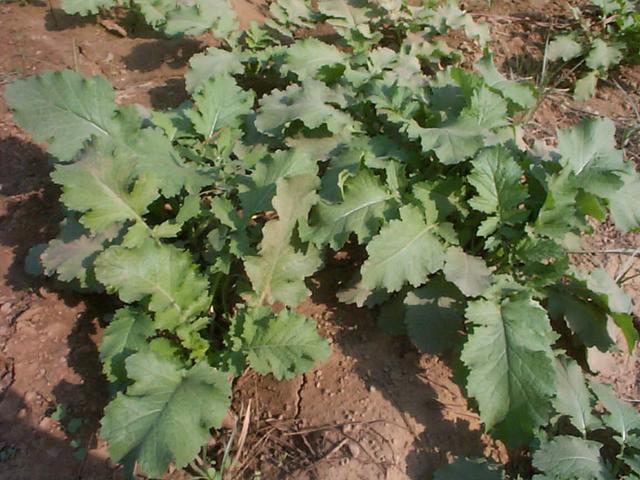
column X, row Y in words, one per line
column 405, row 251
column 306, row 57
column 309, row 103
column 283, row 344
column 64, row 109
column 215, row 62
column 470, row 274
column 85, row 7
column 563, row 47
column 519, row 93
column 573, row 398
column 571, row 458
column 361, row 211
column 106, row 187
column 278, row 272
column 125, row 335
column 622, row 417
column 603, row 55
column 177, row 292
column 626, row 215
column 434, row 316
column 219, row 104
column 510, row 362
column 165, row 416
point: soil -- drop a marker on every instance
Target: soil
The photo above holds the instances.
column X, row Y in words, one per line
column 376, row 409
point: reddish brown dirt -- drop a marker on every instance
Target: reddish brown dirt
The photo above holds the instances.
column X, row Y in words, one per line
column 376, row 409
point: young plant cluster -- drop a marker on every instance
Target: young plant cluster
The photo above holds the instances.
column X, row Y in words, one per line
column 206, row 220
column 604, row 40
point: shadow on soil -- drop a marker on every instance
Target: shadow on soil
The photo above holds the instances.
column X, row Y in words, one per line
column 30, row 215
column 391, row 365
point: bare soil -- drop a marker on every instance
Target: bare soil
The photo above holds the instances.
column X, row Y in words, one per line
column 376, row 409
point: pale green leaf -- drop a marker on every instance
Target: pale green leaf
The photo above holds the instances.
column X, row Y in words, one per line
column 621, row 416
column 64, row 109
column 603, row 55
column 510, row 362
column 626, row 214
column 164, row 274
column 257, row 191
column 361, row 211
column 571, row 458
column 165, row 416
column 219, row 104
column 106, row 188
column 278, row 272
column 283, row 344
column 496, row 178
column 201, row 16
column 586, row 86
column 563, row 47
column 519, row 93
column 212, row 63
column 86, row 7
column 125, row 335
column 470, row 274
column 589, row 150
column 306, row 57
column 309, row 104
column 572, row 398
column 71, row 255
column 405, row 251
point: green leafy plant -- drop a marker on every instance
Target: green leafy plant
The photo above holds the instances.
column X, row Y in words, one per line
column 207, row 219
column 602, row 42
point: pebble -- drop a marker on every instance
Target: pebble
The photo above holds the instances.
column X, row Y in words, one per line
column 6, row 308
column 46, row 423
column 30, row 397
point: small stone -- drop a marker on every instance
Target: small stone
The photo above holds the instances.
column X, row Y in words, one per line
column 46, row 423
column 22, row 413
column 6, row 308
column 372, row 389
column 354, row 449
column 30, row 397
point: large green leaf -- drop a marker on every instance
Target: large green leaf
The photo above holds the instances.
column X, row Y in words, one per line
column 571, row 458
column 200, row 16
column 106, row 187
column 283, row 344
column 470, row 274
column 165, row 416
column 212, row 63
column 626, row 214
column 306, row 57
column 621, row 417
column 257, row 191
column 563, row 47
column 519, row 93
column 511, row 372
column 125, row 335
column 219, row 104
column 309, row 104
column 64, row 109
column 361, row 211
column 72, row 253
column 152, row 155
column 85, row 7
column 278, row 272
column 164, row 274
column 405, row 251
column 589, row 150
column 496, row 178
column 572, row 397
column 603, row 55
